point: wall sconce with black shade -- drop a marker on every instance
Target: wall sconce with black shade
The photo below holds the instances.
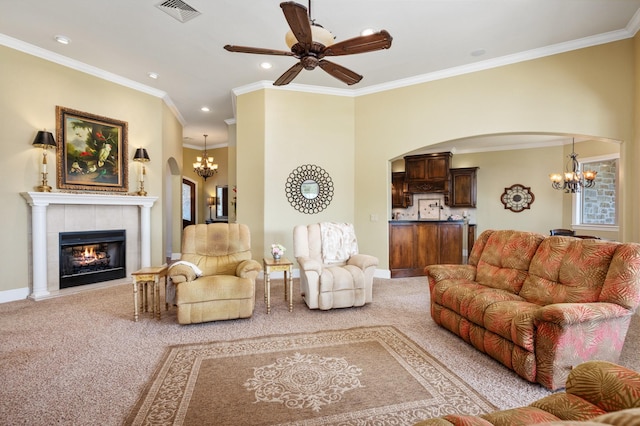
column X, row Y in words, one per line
column 45, row 141
column 142, row 157
column 211, row 201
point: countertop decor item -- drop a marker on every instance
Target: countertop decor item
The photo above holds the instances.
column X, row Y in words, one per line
column 277, row 250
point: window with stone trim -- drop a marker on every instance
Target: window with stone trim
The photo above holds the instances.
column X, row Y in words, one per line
column 599, row 204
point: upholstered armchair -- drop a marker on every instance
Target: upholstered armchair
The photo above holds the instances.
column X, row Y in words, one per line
column 215, row 277
column 332, row 272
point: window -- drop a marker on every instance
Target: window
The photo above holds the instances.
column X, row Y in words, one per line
column 598, row 206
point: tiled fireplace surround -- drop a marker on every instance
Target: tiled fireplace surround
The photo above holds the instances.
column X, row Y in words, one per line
column 54, row 212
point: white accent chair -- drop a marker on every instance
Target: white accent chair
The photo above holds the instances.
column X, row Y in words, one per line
column 332, row 272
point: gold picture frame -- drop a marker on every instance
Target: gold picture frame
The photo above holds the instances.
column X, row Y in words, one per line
column 92, row 152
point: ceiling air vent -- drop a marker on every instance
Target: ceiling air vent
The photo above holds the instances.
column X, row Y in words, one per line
column 178, row 9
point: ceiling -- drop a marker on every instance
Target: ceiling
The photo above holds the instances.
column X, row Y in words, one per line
column 124, row 40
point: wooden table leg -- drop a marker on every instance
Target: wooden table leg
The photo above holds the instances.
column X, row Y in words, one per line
column 156, row 305
column 289, row 278
column 267, row 283
column 135, row 300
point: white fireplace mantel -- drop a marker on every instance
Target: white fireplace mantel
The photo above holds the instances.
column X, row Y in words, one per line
column 39, row 201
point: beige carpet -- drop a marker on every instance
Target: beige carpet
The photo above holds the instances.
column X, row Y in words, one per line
column 81, row 360
column 367, row 375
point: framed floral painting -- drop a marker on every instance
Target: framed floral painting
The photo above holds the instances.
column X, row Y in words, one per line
column 92, row 152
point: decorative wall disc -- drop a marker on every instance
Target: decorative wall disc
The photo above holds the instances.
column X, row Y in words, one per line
column 309, row 189
column 517, row 198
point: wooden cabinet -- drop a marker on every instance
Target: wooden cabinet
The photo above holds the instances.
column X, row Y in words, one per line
column 471, row 238
column 463, row 187
column 414, row 245
column 427, row 172
column 400, row 197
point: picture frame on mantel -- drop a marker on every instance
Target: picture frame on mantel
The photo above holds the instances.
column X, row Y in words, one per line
column 92, row 152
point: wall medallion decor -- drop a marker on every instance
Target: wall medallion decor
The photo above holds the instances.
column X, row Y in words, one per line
column 517, row 198
column 92, row 152
column 309, row 189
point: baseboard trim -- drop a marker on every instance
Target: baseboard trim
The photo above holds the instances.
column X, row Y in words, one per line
column 14, row 294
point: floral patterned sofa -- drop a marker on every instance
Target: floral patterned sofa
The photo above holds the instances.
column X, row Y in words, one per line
column 598, row 393
column 540, row 305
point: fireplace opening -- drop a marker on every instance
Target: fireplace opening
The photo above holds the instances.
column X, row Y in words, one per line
column 92, row 256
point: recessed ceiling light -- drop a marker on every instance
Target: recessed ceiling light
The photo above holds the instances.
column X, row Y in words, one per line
column 153, row 75
column 367, row 31
column 266, row 65
column 62, row 39
column 205, row 109
column 478, row 52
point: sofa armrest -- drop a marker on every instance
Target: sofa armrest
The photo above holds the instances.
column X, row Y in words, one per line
column 308, row 264
column 248, row 269
column 363, row 261
column 568, row 334
column 566, row 314
column 449, row 272
column 181, row 273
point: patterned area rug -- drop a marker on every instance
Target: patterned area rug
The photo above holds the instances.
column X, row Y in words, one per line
column 372, row 375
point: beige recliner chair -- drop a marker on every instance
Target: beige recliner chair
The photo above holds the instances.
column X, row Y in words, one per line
column 215, row 277
column 332, row 273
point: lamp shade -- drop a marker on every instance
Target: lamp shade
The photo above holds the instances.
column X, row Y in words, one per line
column 141, row 155
column 44, row 140
column 211, row 201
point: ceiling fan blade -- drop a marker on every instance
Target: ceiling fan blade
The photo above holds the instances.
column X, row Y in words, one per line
column 288, row 75
column 360, row 44
column 341, row 73
column 257, row 50
column 298, row 20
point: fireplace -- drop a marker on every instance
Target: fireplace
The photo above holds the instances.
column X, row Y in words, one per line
column 89, row 257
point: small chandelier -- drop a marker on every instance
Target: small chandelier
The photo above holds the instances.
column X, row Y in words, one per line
column 204, row 166
column 573, row 179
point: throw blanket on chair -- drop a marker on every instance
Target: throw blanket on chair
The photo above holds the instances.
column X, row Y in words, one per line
column 338, row 242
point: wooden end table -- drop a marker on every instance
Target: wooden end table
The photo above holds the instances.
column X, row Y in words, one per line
column 281, row 265
column 143, row 279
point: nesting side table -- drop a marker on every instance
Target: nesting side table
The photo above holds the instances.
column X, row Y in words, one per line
column 281, row 265
column 146, row 279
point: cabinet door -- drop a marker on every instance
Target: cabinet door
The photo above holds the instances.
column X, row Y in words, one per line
column 399, row 195
column 451, row 243
column 438, row 168
column 463, row 187
column 426, row 251
column 401, row 246
column 416, row 169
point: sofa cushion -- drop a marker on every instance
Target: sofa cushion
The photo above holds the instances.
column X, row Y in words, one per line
column 519, row 417
column 568, row 407
column 568, row 270
column 622, row 285
column 505, row 260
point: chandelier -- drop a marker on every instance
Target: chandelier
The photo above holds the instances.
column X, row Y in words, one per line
column 573, row 179
column 204, row 166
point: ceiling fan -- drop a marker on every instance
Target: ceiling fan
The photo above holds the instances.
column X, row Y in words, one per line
column 311, row 43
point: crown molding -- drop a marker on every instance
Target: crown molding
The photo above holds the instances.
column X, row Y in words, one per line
column 39, row 52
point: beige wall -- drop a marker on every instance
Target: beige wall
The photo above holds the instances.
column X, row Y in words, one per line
column 299, row 129
column 31, row 88
column 585, row 92
column 206, row 188
column 172, row 182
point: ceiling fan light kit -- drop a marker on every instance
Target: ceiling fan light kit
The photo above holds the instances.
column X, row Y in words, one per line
column 310, row 43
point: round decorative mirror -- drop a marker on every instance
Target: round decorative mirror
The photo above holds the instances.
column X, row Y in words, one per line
column 309, row 189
